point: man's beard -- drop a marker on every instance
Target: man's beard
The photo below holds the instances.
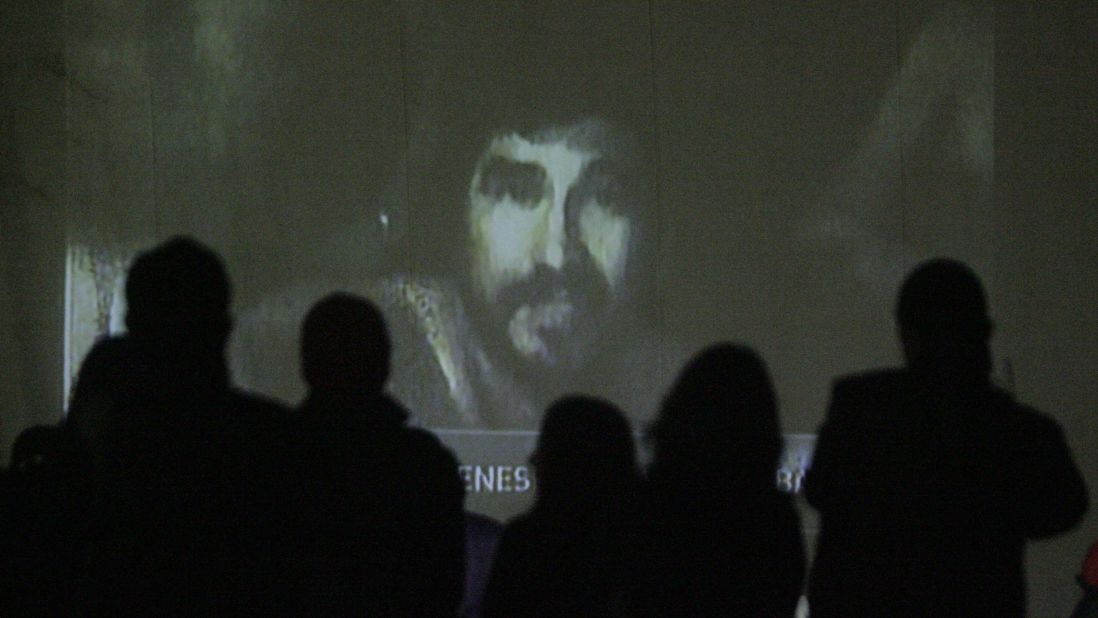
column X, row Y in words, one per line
column 551, row 324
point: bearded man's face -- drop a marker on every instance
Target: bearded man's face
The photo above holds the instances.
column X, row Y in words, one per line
column 550, row 241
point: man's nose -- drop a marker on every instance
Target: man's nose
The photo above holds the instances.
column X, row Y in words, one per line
column 556, row 234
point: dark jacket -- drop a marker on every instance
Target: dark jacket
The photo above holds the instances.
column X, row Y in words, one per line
column 193, row 501
column 927, row 490
column 552, row 563
column 381, row 525
column 710, row 547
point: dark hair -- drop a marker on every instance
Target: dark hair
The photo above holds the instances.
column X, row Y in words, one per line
column 175, row 286
column 345, row 344
column 721, row 413
column 585, row 451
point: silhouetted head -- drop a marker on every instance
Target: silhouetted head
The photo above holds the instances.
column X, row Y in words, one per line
column 942, row 316
column 722, row 415
column 177, row 295
column 44, row 447
column 345, row 346
column 585, row 453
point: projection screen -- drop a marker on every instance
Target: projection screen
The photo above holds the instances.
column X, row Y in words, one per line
column 542, row 198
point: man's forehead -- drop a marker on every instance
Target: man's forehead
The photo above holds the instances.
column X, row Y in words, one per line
column 560, row 156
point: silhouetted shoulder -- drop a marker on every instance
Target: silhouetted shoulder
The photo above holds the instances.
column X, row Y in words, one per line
column 1029, row 420
column 844, row 442
column 518, row 528
column 416, row 439
column 852, row 394
column 258, row 406
column 262, row 418
column 513, row 554
column 426, row 456
column 428, row 445
column 1051, row 493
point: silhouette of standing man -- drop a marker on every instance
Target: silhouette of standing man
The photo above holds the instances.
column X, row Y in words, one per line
column 190, row 459
column 382, row 531
column 929, row 479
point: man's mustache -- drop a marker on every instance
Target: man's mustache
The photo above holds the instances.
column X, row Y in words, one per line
column 575, row 284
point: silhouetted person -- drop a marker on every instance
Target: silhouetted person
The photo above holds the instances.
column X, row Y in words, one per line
column 51, row 498
column 382, row 514
column 190, row 461
column 46, row 523
column 569, row 555
column 53, row 495
column 720, row 538
column 929, row 479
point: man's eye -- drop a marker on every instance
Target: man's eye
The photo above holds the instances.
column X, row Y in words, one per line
column 523, row 182
column 604, row 189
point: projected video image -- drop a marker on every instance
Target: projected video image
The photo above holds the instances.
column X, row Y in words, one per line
column 550, row 256
column 545, row 200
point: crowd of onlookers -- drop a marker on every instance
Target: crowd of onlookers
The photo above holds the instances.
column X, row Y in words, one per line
column 167, row 491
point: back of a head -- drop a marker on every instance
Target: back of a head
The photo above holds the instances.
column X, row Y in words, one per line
column 942, row 314
column 178, row 296
column 40, row 446
column 345, row 345
column 585, row 447
column 721, row 410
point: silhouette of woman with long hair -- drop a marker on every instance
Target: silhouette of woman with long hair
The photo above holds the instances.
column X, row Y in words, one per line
column 568, row 556
column 719, row 537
